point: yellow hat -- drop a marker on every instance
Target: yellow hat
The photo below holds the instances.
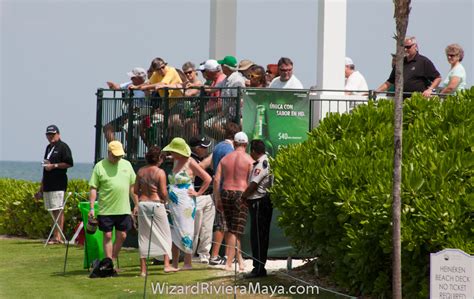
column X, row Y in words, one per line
column 116, row 148
column 179, row 146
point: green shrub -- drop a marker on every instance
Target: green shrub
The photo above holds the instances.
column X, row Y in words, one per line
column 22, row 215
column 334, row 191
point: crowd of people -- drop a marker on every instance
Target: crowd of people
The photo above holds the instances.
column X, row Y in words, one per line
column 184, row 214
column 420, row 75
column 206, row 198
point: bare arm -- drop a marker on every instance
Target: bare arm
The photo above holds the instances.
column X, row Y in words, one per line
column 92, row 198
column 113, row 85
column 216, row 186
column 136, row 186
column 385, row 86
column 207, row 162
column 452, row 85
column 434, row 84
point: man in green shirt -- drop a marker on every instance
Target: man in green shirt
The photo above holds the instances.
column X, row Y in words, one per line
column 114, row 178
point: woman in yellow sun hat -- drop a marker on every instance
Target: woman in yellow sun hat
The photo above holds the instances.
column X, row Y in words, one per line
column 182, row 199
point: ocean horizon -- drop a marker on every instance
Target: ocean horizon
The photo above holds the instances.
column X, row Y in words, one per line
column 33, row 171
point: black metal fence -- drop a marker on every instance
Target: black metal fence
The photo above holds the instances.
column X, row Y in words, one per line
column 142, row 122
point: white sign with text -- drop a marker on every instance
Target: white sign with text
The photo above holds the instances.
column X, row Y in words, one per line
column 451, row 275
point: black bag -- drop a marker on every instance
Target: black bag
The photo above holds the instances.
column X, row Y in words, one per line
column 103, row 268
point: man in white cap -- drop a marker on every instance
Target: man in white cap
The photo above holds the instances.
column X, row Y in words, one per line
column 355, row 83
column 114, row 177
column 230, row 181
column 137, row 77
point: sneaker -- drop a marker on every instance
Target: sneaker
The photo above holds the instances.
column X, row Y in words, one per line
column 217, row 260
column 204, row 260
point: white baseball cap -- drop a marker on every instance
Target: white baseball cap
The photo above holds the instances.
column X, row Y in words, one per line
column 349, row 61
column 137, row 72
column 241, row 137
column 210, row 65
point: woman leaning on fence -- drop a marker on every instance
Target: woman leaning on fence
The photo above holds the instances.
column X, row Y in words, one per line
column 154, row 234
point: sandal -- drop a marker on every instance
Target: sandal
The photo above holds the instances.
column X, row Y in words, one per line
column 53, row 242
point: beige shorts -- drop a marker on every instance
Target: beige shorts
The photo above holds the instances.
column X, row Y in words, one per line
column 53, row 200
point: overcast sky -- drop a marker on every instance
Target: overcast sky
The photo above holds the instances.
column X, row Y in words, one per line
column 55, row 54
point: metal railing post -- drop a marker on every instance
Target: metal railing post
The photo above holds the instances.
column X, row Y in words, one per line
column 238, row 100
column 202, row 105
column 98, row 124
column 166, row 115
column 129, row 98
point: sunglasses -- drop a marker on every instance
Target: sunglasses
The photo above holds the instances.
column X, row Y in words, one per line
column 188, row 72
column 253, row 76
column 409, row 46
column 285, row 70
column 451, row 55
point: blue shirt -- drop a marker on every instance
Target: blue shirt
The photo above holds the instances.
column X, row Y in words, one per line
column 221, row 149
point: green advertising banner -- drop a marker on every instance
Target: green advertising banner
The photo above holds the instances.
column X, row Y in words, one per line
column 278, row 117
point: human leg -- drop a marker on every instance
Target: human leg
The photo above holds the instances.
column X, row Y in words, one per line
column 120, row 237
column 231, row 249
column 175, row 255
column 167, row 266
column 57, row 231
column 264, row 219
column 205, row 232
column 108, row 247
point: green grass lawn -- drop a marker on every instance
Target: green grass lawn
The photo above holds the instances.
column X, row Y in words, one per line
column 30, row 270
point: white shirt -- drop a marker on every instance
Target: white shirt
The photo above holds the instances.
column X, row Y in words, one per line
column 293, row 83
column 260, row 176
column 356, row 82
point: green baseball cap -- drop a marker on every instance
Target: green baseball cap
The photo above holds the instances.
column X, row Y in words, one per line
column 229, row 61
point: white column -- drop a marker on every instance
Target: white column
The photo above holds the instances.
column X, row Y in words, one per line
column 223, row 31
column 331, row 53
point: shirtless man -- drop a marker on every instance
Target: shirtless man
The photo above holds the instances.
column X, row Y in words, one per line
column 233, row 173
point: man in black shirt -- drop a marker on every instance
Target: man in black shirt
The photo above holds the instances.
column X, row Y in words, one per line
column 205, row 209
column 57, row 159
column 419, row 73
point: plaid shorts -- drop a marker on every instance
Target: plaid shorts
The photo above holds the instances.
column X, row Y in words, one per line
column 219, row 222
column 235, row 211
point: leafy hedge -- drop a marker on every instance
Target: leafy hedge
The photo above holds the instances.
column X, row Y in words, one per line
column 334, row 191
column 22, row 215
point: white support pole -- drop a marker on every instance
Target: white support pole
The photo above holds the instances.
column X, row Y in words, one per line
column 223, row 30
column 331, row 53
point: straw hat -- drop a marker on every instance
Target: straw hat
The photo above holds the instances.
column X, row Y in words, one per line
column 179, row 146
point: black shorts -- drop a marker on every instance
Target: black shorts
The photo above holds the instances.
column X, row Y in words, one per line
column 121, row 223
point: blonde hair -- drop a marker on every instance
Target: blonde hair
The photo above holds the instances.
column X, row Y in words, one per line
column 456, row 50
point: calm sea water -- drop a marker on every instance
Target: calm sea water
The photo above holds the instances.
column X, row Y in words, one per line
column 32, row 171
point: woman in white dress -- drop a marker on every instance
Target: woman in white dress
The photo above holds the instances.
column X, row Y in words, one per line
column 182, row 199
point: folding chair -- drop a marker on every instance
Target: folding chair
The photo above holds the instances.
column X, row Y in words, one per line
column 56, row 225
